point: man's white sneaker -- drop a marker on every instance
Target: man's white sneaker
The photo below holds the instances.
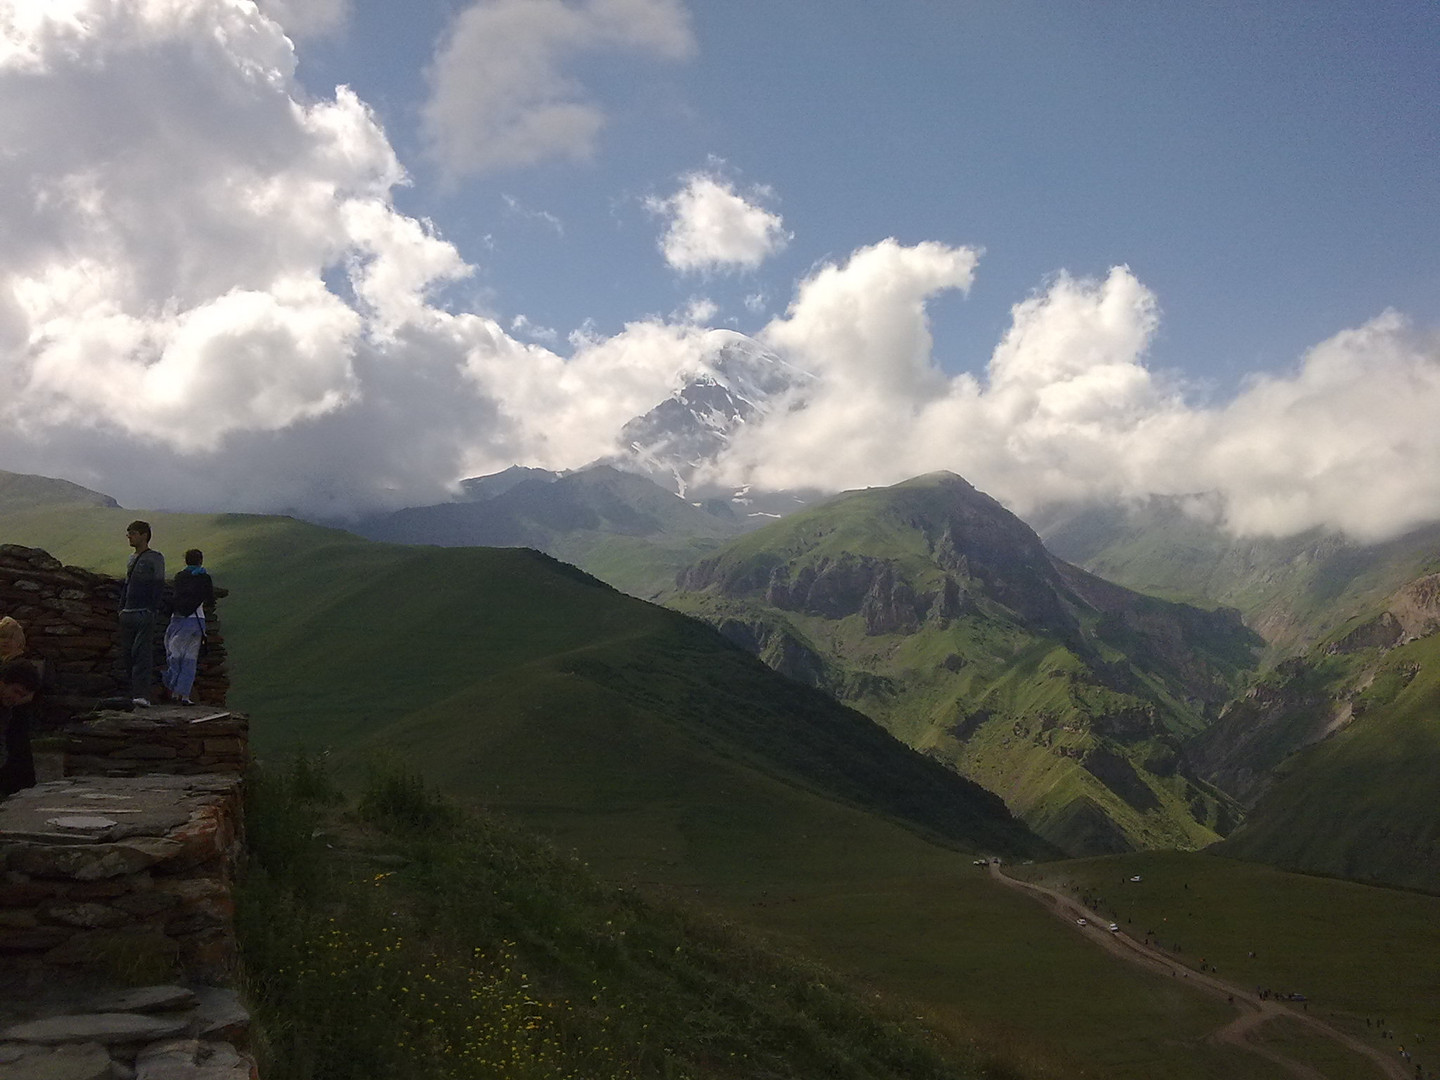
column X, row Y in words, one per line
column 140, row 702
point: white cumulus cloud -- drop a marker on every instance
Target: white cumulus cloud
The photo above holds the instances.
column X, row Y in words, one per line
column 307, row 18
column 711, row 227
column 208, row 298
column 500, row 96
column 1348, row 440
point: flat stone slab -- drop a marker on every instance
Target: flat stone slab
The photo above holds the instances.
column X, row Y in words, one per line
column 144, row 999
column 220, row 1015
column 192, row 1059
column 179, row 717
column 106, row 1028
column 82, row 1061
column 99, row 810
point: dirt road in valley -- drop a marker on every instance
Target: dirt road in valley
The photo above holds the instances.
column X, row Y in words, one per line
column 1254, row 1011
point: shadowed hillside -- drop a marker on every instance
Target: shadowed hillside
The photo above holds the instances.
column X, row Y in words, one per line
column 1339, row 750
column 519, row 679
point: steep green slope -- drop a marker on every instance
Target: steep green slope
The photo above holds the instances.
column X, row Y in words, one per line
column 1292, row 590
column 1361, row 803
column 480, row 658
column 934, row 610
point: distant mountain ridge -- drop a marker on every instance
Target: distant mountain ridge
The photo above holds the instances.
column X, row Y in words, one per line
column 635, row 516
column 1291, row 590
column 939, row 613
column 22, row 491
column 621, row 526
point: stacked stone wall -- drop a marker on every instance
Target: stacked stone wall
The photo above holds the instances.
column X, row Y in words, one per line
column 71, row 622
column 122, row 872
column 100, row 872
column 172, row 740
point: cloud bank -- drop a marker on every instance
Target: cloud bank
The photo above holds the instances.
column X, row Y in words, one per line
column 208, row 300
column 1069, row 410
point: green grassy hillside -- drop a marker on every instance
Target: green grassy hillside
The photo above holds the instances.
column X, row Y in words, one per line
column 1362, row 803
column 20, row 492
column 1359, row 954
column 1334, row 750
column 402, row 937
column 520, row 680
column 524, row 687
column 936, row 612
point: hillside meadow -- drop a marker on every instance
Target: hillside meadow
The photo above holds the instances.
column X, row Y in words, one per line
column 523, row 688
column 1363, row 957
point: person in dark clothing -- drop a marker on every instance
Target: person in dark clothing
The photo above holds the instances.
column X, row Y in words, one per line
column 140, row 597
column 19, row 683
column 193, row 590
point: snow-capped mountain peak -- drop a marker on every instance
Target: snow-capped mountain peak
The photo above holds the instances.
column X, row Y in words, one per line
column 736, row 381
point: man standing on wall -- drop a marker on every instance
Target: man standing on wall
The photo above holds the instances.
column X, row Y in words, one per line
column 139, row 601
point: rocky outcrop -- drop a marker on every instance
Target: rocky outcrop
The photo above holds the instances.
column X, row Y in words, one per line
column 1128, row 723
column 1254, row 733
column 1117, row 774
column 779, row 648
column 1382, row 632
column 890, row 605
column 1304, row 699
column 1412, row 613
column 835, row 588
column 829, row 588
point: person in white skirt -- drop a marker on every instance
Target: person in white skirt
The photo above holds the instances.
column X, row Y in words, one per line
column 193, row 590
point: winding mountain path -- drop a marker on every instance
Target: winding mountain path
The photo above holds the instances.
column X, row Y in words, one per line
column 1254, row 1011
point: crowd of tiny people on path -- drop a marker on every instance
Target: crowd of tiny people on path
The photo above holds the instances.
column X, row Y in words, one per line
column 142, row 595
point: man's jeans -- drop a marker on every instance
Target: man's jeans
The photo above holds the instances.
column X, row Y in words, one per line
column 137, row 650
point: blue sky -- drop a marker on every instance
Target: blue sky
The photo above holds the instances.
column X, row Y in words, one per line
column 1269, row 170
column 333, row 256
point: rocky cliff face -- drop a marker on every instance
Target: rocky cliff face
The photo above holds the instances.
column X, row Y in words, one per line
column 1412, row 613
